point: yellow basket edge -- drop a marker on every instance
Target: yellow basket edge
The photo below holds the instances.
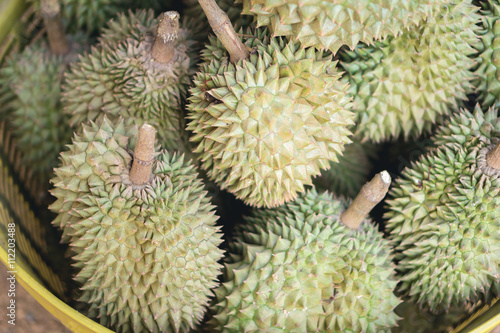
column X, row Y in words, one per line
column 69, row 317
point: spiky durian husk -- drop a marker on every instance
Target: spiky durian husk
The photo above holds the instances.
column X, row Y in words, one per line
column 487, row 82
column 122, row 79
column 266, row 125
column 404, row 85
column 347, row 176
column 297, row 268
column 148, row 254
column 34, row 79
column 91, row 15
column 444, row 220
column 331, row 24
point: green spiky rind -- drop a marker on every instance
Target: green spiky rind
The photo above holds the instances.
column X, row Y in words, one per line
column 487, row 81
column 404, row 85
column 331, row 24
column 443, row 217
column 266, row 125
column 296, row 268
column 90, row 16
column 34, row 111
column 350, row 173
column 147, row 255
column 92, row 152
column 121, row 79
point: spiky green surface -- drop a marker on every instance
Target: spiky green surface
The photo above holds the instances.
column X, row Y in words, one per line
column 404, row 85
column 443, row 216
column 266, row 125
column 333, row 23
column 91, row 15
column 148, row 254
column 350, row 173
column 487, row 83
column 35, row 115
column 296, row 268
column 122, row 79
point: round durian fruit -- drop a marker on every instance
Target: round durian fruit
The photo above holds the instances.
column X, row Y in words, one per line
column 347, row 176
column 443, row 217
column 265, row 125
column 126, row 79
column 487, row 81
column 297, row 268
column 327, row 24
column 34, row 78
column 146, row 251
column 404, row 85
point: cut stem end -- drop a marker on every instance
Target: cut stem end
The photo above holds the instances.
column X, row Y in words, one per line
column 168, row 30
column 223, row 29
column 141, row 171
column 493, row 157
column 51, row 13
column 370, row 195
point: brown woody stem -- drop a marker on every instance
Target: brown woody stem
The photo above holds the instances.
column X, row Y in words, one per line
column 51, row 13
column 223, row 29
column 370, row 195
column 493, row 157
column 166, row 35
column 140, row 174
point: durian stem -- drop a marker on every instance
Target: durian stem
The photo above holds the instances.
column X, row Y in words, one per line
column 140, row 173
column 168, row 29
column 51, row 13
column 493, row 157
column 370, row 195
column 223, row 29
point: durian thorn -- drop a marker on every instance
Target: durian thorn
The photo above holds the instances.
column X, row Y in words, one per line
column 168, row 30
column 51, row 13
column 142, row 165
column 369, row 196
column 493, row 157
column 223, row 29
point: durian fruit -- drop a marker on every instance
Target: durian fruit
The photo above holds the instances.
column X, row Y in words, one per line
column 266, row 121
column 329, row 24
column 308, row 267
column 443, row 216
column 144, row 236
column 404, row 85
column 34, row 78
column 90, row 15
column 144, row 78
column 347, row 176
column 487, row 82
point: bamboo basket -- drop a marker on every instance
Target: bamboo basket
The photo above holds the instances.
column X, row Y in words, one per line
column 30, row 261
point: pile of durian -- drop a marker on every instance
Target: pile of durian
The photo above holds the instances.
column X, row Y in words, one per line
column 217, row 166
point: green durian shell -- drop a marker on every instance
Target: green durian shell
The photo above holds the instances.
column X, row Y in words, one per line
column 329, row 24
column 347, row 176
column 266, row 125
column 147, row 255
column 487, row 80
column 34, row 110
column 121, row 79
column 443, row 217
column 403, row 86
column 296, row 268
